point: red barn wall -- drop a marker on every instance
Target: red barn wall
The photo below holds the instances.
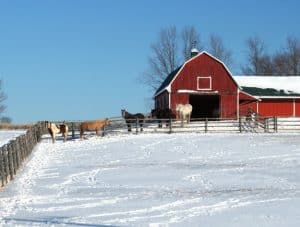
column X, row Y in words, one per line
column 206, row 66
column 297, row 103
column 162, row 100
column 245, row 107
column 276, row 107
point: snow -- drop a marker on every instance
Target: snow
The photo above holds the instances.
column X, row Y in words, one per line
column 286, row 83
column 7, row 135
column 183, row 179
column 194, row 50
column 195, row 92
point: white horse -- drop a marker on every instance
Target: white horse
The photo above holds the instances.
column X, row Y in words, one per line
column 54, row 130
column 185, row 112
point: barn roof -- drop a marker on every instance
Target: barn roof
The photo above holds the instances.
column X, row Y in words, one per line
column 268, row 86
column 264, row 92
column 168, row 80
column 173, row 74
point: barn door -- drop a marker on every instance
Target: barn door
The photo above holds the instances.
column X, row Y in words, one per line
column 205, row 106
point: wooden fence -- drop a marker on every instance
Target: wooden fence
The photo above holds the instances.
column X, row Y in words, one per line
column 14, row 153
column 200, row 125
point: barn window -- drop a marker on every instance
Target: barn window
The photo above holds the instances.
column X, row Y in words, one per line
column 204, row 83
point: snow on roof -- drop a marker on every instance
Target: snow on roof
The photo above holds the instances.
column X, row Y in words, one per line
column 286, row 83
column 196, row 92
column 195, row 50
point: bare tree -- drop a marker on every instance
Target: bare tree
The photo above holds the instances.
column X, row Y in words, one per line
column 287, row 60
column 218, row 49
column 259, row 62
column 165, row 55
column 2, row 99
column 280, row 63
column 293, row 55
column 190, row 38
column 5, row 120
column 164, row 58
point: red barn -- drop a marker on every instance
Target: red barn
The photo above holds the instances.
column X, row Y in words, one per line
column 207, row 84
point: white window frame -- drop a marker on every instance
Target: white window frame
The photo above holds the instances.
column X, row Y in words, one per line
column 210, row 83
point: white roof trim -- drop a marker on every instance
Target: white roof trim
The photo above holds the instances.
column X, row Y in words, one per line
column 191, row 59
column 277, row 97
column 167, row 88
column 196, row 92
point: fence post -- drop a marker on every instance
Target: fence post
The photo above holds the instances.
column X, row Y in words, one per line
column 18, row 148
column 14, row 156
column 136, row 126
column 10, row 161
column 22, row 148
column 206, row 125
column 6, row 163
column 240, row 124
column 265, row 125
column 275, row 123
column 170, row 125
column 2, row 171
column 73, row 130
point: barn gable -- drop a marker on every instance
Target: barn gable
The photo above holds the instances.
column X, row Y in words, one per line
column 203, row 81
column 173, row 75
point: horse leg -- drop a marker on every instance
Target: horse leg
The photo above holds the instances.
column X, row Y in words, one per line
column 53, row 137
column 129, row 127
column 97, row 131
column 182, row 119
column 159, row 124
column 81, row 133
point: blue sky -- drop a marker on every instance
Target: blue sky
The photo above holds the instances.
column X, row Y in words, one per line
column 76, row 60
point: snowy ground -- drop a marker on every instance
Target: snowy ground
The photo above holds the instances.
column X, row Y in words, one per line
column 159, row 180
column 7, row 135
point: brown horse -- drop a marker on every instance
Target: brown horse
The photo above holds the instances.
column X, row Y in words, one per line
column 93, row 126
column 132, row 118
column 53, row 130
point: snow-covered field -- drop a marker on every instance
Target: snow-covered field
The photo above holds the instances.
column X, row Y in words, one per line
column 159, row 180
column 7, row 135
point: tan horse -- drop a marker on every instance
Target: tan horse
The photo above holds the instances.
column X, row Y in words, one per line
column 93, row 126
column 54, row 130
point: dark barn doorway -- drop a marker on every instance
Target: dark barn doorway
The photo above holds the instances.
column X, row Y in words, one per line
column 205, row 106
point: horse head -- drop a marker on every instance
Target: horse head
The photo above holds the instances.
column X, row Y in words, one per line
column 178, row 107
column 107, row 122
column 50, row 125
column 123, row 112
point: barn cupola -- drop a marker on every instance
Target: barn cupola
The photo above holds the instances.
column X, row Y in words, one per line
column 194, row 50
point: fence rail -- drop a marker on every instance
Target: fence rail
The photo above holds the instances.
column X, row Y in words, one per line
column 14, row 153
column 199, row 125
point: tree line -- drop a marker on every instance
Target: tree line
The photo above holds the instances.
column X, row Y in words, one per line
column 173, row 47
